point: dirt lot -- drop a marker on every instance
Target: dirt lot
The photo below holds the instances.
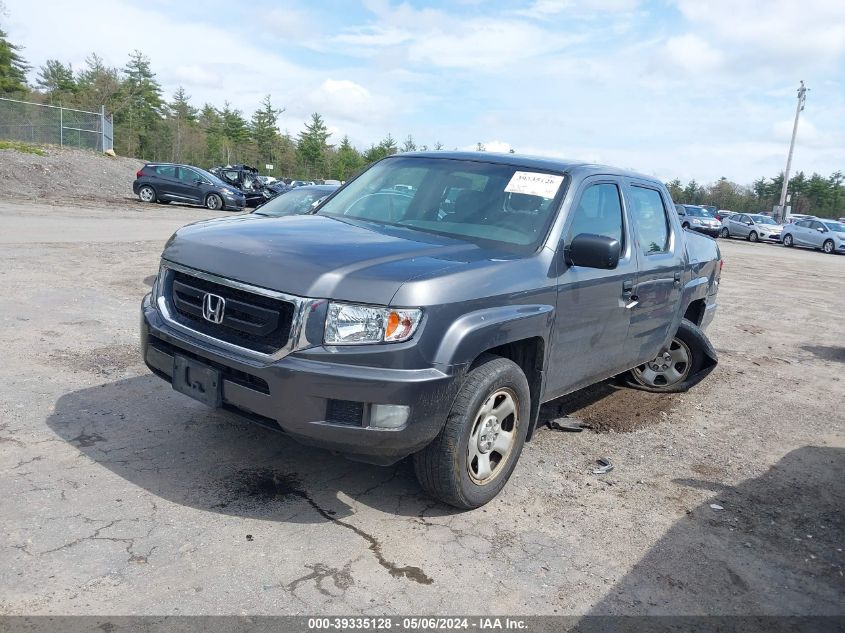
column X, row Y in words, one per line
column 119, row 496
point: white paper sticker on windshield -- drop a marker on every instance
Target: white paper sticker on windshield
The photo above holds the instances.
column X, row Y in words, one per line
column 533, row 183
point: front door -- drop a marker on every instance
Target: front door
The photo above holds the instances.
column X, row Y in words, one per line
column 591, row 323
column 660, row 256
column 189, row 190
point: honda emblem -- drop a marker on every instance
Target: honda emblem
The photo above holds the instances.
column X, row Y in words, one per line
column 213, row 308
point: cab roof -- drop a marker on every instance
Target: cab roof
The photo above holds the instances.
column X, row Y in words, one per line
column 564, row 166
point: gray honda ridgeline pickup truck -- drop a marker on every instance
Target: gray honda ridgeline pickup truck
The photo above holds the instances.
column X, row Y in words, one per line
column 431, row 305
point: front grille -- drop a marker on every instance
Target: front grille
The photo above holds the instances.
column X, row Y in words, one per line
column 346, row 412
column 253, row 321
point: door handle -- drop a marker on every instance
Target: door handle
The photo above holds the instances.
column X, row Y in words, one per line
column 628, row 294
column 677, row 278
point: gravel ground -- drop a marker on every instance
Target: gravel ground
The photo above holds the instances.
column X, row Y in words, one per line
column 67, row 176
column 119, row 496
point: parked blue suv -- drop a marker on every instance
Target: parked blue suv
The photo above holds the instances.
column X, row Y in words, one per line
column 168, row 182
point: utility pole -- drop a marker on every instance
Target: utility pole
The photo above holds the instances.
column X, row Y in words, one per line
column 802, row 97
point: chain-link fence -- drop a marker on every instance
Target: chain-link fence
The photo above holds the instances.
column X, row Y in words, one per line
column 38, row 123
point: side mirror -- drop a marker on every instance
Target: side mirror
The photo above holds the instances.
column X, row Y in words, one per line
column 750, row 223
column 821, row 230
column 197, row 181
column 593, row 251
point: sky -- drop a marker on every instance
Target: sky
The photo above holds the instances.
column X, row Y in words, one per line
column 697, row 89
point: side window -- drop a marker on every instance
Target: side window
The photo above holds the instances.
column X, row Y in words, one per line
column 188, row 175
column 818, row 225
column 599, row 211
column 649, row 217
column 742, row 218
column 166, row 171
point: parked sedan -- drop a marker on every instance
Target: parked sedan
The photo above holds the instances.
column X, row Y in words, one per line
column 168, row 182
column 698, row 219
column 752, row 226
column 298, row 201
column 828, row 235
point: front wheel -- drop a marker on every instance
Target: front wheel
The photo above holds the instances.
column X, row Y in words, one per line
column 752, row 237
column 828, row 247
column 787, row 241
column 725, row 233
column 214, row 202
column 474, row 454
column 687, row 360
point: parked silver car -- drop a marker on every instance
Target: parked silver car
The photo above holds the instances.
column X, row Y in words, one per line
column 828, row 235
column 752, row 226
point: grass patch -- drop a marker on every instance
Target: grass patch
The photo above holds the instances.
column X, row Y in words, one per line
column 24, row 148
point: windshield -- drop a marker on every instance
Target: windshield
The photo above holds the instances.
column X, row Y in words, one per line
column 294, row 202
column 698, row 212
column 763, row 219
column 839, row 227
column 465, row 199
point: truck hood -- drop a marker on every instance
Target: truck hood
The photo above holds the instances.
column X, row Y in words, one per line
column 317, row 256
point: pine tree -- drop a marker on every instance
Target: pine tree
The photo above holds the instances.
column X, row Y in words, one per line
column 409, row 145
column 312, row 147
column 265, row 130
column 181, row 115
column 347, row 161
column 13, row 68
column 143, row 107
column 56, row 79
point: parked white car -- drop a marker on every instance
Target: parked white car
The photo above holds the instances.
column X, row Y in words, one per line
column 828, row 235
column 752, row 226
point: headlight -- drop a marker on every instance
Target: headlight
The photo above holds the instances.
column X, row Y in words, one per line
column 229, row 193
column 350, row 324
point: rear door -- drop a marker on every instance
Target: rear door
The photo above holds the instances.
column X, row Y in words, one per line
column 739, row 225
column 166, row 182
column 592, row 320
column 659, row 248
column 800, row 232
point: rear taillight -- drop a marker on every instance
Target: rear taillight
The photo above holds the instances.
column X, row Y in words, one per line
column 139, row 173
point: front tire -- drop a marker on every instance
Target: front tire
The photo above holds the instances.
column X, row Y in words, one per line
column 147, row 194
column 725, row 233
column 687, row 360
column 214, row 202
column 753, row 237
column 829, row 247
column 787, row 241
column 473, row 456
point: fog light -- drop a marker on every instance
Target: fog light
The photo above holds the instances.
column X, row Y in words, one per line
column 389, row 416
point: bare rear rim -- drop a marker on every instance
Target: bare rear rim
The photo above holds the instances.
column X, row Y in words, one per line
column 669, row 368
column 493, row 436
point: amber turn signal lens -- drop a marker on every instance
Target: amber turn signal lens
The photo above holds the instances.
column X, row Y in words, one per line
column 392, row 323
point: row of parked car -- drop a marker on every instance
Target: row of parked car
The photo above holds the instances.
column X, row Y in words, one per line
column 229, row 188
column 800, row 230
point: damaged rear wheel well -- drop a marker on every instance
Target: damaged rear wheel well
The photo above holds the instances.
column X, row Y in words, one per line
column 695, row 311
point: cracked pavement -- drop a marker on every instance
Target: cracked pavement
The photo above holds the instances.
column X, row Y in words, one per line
column 120, row 496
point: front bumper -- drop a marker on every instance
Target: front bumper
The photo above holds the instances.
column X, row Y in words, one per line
column 712, row 231
column 771, row 237
column 299, row 396
column 233, row 204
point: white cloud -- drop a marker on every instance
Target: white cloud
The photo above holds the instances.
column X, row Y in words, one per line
column 348, row 101
column 692, row 54
column 771, row 32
